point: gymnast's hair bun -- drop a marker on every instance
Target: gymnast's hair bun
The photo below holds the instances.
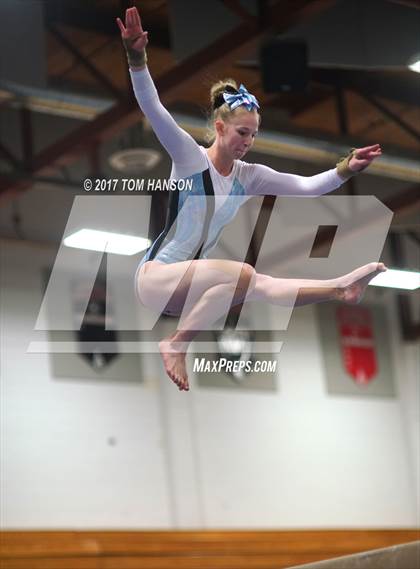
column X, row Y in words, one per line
column 217, row 90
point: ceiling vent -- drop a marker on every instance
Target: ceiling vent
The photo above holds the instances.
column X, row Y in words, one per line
column 135, row 160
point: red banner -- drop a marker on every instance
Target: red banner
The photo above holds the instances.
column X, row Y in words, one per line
column 357, row 340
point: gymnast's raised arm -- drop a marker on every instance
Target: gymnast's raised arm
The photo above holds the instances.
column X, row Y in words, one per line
column 181, row 147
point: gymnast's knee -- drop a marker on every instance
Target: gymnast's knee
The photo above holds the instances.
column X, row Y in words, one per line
column 144, row 289
column 246, row 282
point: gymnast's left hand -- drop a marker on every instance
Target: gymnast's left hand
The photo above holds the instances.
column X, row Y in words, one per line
column 362, row 157
column 133, row 30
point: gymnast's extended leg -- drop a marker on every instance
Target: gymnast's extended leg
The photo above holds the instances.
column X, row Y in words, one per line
column 211, row 305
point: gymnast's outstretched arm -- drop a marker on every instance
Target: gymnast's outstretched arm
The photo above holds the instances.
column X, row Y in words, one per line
column 266, row 181
column 181, row 147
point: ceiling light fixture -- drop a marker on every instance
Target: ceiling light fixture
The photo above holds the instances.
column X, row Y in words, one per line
column 395, row 278
column 107, row 242
column 414, row 63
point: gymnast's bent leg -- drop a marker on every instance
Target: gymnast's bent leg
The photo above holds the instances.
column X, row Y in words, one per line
column 212, row 303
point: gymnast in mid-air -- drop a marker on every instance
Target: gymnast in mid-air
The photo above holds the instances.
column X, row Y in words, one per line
column 176, row 267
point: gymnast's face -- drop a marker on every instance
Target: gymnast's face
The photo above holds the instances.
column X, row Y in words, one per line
column 237, row 134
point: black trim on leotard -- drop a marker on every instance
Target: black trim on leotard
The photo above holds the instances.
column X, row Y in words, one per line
column 172, row 218
column 209, row 191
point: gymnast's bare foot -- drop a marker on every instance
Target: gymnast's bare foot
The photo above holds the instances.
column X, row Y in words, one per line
column 352, row 286
column 174, row 362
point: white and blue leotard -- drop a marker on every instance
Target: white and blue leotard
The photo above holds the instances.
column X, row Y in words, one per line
column 193, row 225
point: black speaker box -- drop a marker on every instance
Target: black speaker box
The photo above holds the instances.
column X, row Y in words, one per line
column 284, row 65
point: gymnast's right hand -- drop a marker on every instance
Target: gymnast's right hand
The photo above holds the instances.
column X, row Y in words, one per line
column 134, row 38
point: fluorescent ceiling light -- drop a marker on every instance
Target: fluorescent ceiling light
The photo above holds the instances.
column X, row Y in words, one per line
column 392, row 278
column 414, row 64
column 106, row 241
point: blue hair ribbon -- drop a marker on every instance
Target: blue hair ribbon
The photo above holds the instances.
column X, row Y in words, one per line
column 242, row 97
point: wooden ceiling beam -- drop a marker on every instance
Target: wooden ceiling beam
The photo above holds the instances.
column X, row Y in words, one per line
column 173, row 83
